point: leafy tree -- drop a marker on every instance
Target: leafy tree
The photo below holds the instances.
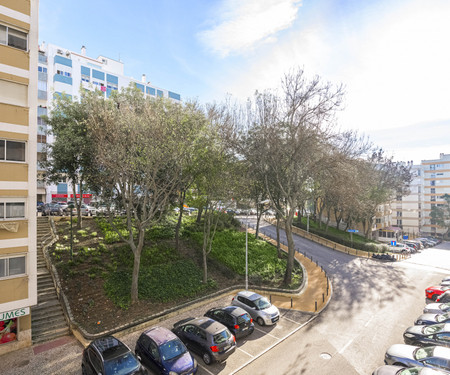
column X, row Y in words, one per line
column 440, row 215
column 69, row 155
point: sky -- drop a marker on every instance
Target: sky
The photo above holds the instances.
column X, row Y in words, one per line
column 392, row 56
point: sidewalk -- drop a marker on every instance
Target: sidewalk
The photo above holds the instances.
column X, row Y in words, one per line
column 317, row 291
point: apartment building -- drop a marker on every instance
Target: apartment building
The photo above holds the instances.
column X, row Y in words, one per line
column 64, row 71
column 431, row 180
column 18, row 150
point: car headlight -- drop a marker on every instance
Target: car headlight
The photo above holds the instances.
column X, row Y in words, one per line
column 408, row 335
column 195, row 363
column 428, row 291
column 173, row 373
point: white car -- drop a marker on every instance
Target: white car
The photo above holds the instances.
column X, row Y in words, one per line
column 259, row 307
column 400, row 248
column 437, row 308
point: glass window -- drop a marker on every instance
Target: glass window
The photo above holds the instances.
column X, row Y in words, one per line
column 16, row 266
column 2, row 149
column 17, row 39
column 3, row 267
column 15, row 210
column 42, row 85
column 2, row 34
column 15, row 151
column 172, row 349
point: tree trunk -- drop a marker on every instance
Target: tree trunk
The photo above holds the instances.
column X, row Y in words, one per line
column 291, row 249
column 180, row 218
column 77, row 203
column 258, row 218
column 278, row 236
column 199, row 214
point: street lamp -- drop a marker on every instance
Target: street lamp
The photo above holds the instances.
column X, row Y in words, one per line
column 246, row 246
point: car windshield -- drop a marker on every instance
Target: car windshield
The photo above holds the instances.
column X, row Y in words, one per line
column 222, row 336
column 172, row 349
column 262, row 303
column 428, row 330
column 443, row 317
column 244, row 318
column 410, row 371
column 421, row 353
column 122, row 365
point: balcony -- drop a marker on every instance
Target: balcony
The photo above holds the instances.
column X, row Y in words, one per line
column 42, row 95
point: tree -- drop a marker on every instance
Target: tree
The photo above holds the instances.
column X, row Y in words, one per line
column 70, row 154
column 440, row 214
column 139, row 145
column 291, row 136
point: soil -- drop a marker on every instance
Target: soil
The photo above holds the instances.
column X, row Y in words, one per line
column 90, row 307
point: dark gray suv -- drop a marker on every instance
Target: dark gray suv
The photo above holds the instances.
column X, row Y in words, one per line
column 206, row 337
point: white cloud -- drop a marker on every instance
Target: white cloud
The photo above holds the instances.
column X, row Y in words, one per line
column 244, row 24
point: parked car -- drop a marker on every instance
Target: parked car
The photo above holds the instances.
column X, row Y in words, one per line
column 436, row 334
column 436, row 357
column 433, row 292
column 164, row 353
column 437, row 308
column 206, row 337
column 401, row 370
column 427, row 319
column 446, row 278
column 236, row 319
column 109, row 355
column 426, row 242
column 39, row 206
column 415, row 246
column 444, row 298
column 52, row 209
column 400, row 248
column 259, row 307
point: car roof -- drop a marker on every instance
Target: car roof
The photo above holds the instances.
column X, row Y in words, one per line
column 252, row 296
column 207, row 324
column 442, row 352
column 110, row 347
column 234, row 310
column 160, row 335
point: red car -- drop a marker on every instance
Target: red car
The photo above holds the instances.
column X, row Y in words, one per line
column 433, row 292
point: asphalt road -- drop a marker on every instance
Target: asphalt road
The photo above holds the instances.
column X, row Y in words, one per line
column 372, row 304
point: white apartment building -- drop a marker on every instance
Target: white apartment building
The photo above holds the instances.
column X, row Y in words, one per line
column 63, row 71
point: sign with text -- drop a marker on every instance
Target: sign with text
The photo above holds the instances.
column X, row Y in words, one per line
column 14, row 313
column 405, row 237
column 352, row 230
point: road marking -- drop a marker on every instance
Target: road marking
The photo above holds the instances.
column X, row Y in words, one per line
column 203, row 368
column 367, row 323
column 290, row 320
column 266, row 333
column 272, row 346
column 345, row 346
column 242, row 350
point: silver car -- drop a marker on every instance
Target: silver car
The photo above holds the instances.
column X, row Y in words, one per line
column 437, row 308
column 436, row 357
column 401, row 370
column 259, row 307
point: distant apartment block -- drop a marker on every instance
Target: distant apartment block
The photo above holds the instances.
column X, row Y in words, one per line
column 18, row 140
column 63, row 71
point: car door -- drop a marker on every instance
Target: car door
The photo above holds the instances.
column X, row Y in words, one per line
column 94, row 364
column 190, row 337
column 145, row 351
column 440, row 363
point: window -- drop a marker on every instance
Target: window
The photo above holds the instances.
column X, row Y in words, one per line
column 12, row 266
column 12, row 150
column 433, row 198
column 433, row 190
column 42, row 69
column 85, row 78
column 432, row 167
column 433, row 183
column 12, row 210
column 13, row 38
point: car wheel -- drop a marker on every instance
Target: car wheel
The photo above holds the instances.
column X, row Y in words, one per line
column 207, row 358
column 260, row 321
column 434, row 297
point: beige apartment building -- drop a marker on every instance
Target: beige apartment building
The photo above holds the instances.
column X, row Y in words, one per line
column 18, row 150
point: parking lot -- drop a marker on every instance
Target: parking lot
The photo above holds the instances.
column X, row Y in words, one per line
column 248, row 348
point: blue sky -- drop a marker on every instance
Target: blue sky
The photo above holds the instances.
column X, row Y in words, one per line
column 393, row 56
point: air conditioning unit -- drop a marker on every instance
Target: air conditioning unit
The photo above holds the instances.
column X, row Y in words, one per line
column 67, row 53
column 59, row 51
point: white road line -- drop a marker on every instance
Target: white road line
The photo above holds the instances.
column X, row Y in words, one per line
column 242, row 350
column 345, row 346
column 272, row 346
column 367, row 323
column 290, row 320
column 266, row 333
column 203, row 368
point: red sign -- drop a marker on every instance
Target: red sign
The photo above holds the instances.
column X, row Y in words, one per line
column 59, row 195
column 84, row 195
column 71, row 195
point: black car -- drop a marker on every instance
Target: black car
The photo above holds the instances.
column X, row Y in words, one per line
column 164, row 353
column 428, row 319
column 436, row 334
column 108, row 356
column 236, row 319
column 52, row 209
column 444, row 298
column 206, row 337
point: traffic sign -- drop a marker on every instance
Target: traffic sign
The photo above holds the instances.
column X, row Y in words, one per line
column 353, row 230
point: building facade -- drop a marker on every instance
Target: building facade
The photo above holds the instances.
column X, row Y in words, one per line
column 63, row 71
column 18, row 159
column 431, row 180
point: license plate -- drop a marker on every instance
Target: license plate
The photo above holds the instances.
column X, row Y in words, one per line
column 245, row 328
column 275, row 319
column 226, row 347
